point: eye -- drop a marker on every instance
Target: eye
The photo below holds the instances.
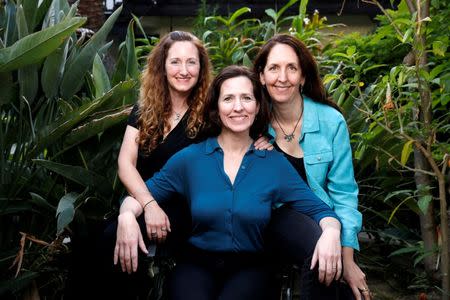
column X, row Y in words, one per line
column 272, row 68
column 192, row 62
column 227, row 100
column 247, row 99
column 292, row 68
column 175, row 62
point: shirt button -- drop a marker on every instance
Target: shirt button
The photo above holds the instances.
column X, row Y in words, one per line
column 243, row 167
column 319, row 158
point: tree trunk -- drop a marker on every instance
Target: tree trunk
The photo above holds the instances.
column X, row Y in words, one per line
column 427, row 222
column 93, row 10
column 425, row 115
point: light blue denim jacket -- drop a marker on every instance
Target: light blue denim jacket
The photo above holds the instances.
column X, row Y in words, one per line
column 328, row 163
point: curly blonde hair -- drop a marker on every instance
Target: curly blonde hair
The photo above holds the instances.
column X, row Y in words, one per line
column 154, row 99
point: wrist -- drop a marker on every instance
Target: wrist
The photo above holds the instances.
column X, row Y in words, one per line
column 149, row 204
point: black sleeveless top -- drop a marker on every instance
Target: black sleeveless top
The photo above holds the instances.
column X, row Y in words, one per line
column 296, row 162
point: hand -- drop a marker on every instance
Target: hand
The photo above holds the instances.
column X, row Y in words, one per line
column 262, row 143
column 356, row 279
column 157, row 222
column 129, row 236
column 328, row 255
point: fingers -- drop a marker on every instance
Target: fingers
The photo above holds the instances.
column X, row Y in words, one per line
column 365, row 292
column 356, row 293
column 142, row 244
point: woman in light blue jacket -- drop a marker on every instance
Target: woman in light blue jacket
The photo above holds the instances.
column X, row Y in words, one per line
column 310, row 130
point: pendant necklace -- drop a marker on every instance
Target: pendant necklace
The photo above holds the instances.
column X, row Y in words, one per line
column 289, row 137
column 178, row 115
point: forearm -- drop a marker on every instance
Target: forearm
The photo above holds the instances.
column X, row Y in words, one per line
column 134, row 183
column 330, row 223
column 347, row 254
column 131, row 205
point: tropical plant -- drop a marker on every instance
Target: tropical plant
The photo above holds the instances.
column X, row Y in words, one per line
column 400, row 120
column 59, row 114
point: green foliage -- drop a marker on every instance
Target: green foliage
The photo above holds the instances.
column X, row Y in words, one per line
column 59, row 117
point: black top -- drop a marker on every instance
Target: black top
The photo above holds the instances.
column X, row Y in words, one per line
column 149, row 163
column 296, row 162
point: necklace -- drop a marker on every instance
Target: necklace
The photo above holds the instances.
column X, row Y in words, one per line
column 178, row 115
column 289, row 137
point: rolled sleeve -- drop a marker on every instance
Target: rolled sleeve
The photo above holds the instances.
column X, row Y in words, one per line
column 342, row 187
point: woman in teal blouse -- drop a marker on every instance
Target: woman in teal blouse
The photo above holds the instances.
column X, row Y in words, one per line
column 310, row 130
column 230, row 195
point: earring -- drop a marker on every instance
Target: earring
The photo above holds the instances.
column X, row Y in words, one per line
column 301, row 88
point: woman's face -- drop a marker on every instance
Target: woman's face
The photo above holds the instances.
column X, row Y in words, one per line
column 282, row 74
column 182, row 67
column 237, row 105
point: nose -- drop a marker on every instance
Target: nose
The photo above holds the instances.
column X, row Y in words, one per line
column 237, row 105
column 183, row 69
column 282, row 75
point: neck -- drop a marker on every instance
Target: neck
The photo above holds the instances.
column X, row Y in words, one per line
column 288, row 112
column 179, row 100
column 232, row 142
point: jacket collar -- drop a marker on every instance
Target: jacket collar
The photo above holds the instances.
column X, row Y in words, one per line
column 310, row 116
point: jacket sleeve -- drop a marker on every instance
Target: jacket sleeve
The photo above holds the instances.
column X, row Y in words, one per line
column 342, row 187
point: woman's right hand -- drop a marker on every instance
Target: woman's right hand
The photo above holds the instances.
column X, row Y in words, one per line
column 158, row 225
column 129, row 236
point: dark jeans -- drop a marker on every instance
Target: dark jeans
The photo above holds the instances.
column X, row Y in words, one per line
column 205, row 275
column 291, row 238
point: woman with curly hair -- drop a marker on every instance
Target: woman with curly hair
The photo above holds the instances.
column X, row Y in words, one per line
column 167, row 117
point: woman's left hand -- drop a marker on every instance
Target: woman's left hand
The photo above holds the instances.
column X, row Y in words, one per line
column 328, row 256
column 262, row 143
column 356, row 279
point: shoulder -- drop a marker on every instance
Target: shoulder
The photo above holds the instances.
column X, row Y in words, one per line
column 325, row 112
column 275, row 158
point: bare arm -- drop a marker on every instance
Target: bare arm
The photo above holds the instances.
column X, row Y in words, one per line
column 128, row 173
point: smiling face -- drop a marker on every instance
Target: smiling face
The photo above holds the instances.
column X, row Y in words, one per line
column 182, row 67
column 237, row 105
column 282, row 74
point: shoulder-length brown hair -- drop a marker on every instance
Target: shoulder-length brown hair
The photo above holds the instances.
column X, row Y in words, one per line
column 154, row 101
column 213, row 122
column 313, row 86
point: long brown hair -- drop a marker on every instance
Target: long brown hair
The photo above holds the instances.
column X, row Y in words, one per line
column 214, row 124
column 313, row 86
column 154, row 101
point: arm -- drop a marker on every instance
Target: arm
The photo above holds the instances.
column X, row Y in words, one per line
column 327, row 253
column 127, row 171
column 343, row 191
column 342, row 187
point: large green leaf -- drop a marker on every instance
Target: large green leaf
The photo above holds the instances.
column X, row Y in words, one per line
column 100, row 77
column 77, row 174
column 28, row 76
column 53, row 70
column 132, row 63
column 53, row 15
column 77, row 68
column 97, row 125
column 30, row 9
column 10, row 32
column 54, row 131
column 36, row 46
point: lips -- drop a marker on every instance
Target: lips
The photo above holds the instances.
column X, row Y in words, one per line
column 238, row 118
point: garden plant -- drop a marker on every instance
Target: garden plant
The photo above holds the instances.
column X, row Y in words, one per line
column 63, row 111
